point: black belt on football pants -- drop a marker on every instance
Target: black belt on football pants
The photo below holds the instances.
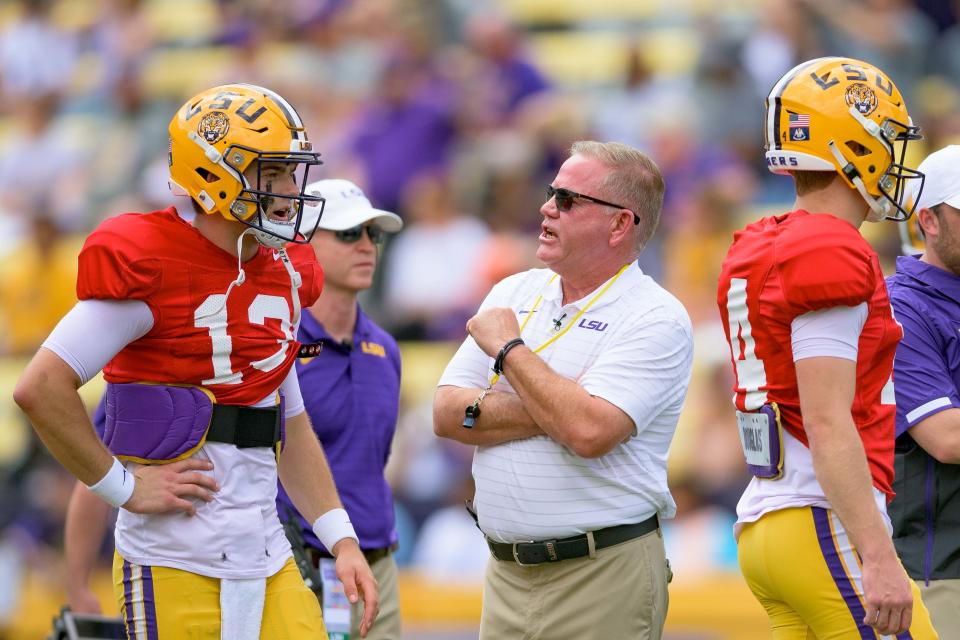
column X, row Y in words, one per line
column 245, row 427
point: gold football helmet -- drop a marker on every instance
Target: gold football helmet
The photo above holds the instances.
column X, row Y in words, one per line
column 912, row 240
column 844, row 115
column 221, row 133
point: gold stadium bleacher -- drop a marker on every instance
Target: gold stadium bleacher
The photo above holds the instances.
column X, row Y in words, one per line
column 600, row 57
column 584, row 43
column 171, row 20
column 532, row 12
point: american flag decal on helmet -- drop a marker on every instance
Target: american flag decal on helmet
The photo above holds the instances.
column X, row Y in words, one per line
column 799, row 126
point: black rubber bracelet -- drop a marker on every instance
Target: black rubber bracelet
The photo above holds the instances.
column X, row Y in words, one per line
column 498, row 362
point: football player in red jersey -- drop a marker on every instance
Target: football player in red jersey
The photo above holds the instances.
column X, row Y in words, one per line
column 812, row 340
column 193, row 326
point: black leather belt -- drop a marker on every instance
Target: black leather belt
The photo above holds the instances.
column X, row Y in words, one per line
column 372, row 555
column 245, row 427
column 527, row 553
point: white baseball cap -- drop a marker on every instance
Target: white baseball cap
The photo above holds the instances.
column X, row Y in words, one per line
column 942, row 182
column 346, row 207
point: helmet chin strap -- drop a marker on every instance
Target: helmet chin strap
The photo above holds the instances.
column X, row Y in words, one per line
column 241, row 274
column 268, row 239
column 879, row 207
column 295, row 279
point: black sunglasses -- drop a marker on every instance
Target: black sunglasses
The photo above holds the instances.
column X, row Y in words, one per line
column 564, row 199
column 353, row 234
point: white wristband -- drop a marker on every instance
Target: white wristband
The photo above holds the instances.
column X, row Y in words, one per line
column 332, row 527
column 116, row 487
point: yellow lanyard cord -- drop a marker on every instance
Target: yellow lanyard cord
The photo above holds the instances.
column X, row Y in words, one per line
column 572, row 322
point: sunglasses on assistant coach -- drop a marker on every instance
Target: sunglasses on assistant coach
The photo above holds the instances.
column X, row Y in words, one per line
column 564, row 200
column 353, row 234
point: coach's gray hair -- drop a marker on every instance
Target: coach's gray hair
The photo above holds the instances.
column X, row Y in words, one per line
column 634, row 181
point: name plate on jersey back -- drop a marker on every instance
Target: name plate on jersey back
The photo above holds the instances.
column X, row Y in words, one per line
column 761, row 439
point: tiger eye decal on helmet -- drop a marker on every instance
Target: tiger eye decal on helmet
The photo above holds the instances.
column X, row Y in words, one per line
column 213, row 126
column 230, row 146
column 861, row 97
column 847, row 116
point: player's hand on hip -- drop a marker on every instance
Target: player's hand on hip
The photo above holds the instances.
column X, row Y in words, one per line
column 358, row 581
column 168, row 488
column 888, row 596
column 493, row 328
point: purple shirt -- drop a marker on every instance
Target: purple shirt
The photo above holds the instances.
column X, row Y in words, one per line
column 395, row 143
column 926, row 371
column 352, row 396
column 519, row 80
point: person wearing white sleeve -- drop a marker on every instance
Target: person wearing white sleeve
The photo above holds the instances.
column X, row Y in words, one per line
column 811, row 340
column 194, row 326
column 591, row 360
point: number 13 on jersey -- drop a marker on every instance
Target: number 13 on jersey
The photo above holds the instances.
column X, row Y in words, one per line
column 212, row 315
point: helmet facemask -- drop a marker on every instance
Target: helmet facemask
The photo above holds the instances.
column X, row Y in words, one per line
column 891, row 186
column 258, row 200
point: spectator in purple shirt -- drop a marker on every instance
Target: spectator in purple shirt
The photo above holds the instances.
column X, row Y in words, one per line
column 352, row 388
column 511, row 76
column 406, row 129
column 925, row 293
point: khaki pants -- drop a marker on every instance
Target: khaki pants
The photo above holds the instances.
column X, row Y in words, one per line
column 942, row 598
column 621, row 594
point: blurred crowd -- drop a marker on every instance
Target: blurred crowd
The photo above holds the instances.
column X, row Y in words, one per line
column 455, row 114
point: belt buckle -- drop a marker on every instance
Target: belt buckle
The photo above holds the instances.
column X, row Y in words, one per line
column 516, row 558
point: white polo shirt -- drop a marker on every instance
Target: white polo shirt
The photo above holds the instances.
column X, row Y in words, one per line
column 634, row 348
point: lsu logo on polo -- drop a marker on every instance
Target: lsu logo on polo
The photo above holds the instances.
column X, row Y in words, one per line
column 373, row 349
column 596, row 325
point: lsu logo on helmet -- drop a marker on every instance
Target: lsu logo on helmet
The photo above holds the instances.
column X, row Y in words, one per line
column 862, row 98
column 214, row 126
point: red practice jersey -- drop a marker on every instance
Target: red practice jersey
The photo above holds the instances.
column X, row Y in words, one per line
column 241, row 351
column 782, row 267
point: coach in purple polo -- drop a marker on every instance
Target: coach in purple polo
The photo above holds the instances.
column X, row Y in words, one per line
column 925, row 292
column 352, row 388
